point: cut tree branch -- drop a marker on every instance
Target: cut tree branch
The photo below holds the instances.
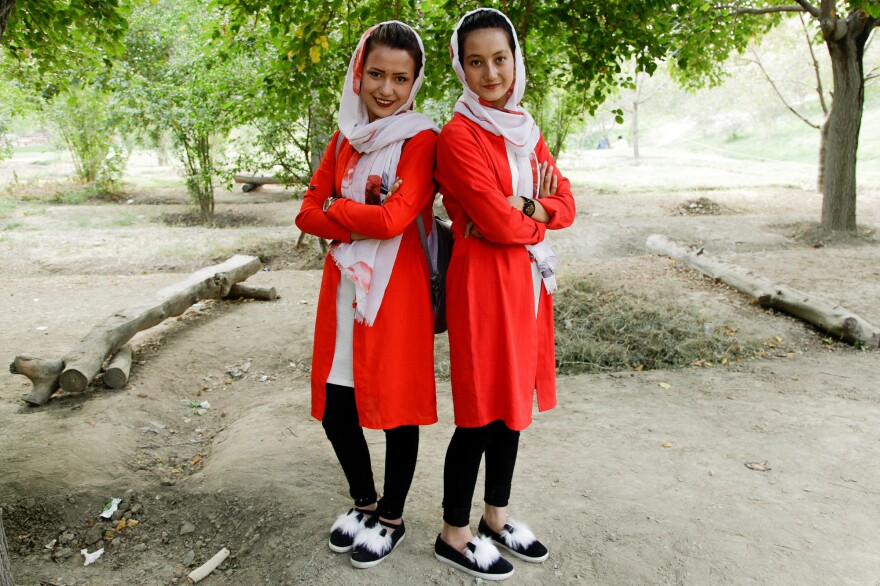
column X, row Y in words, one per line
column 833, row 319
column 116, row 375
column 79, row 366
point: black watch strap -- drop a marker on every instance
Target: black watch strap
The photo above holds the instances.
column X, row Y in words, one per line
column 528, row 206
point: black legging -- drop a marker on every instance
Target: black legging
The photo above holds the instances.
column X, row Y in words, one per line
column 401, row 451
column 463, row 456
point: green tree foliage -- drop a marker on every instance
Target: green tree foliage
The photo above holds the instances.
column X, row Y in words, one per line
column 174, row 80
column 572, row 50
column 85, row 119
column 48, row 38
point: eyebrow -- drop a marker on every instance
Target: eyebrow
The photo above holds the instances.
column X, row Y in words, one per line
column 380, row 70
column 501, row 52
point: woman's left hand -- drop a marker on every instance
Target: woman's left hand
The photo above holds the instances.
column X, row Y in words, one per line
column 393, row 189
column 470, row 229
column 547, row 181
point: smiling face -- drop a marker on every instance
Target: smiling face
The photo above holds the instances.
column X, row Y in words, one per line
column 488, row 64
column 387, row 80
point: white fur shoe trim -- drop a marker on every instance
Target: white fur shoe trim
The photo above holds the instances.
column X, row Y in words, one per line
column 376, row 540
column 484, row 554
column 349, row 523
column 520, row 536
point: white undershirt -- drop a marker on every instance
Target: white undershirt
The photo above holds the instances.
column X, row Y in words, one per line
column 342, row 371
column 537, row 280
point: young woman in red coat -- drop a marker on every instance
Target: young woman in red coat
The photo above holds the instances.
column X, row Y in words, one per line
column 503, row 192
column 373, row 362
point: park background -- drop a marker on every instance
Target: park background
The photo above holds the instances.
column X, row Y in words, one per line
column 699, row 439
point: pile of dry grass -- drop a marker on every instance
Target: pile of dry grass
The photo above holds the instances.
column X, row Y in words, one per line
column 600, row 331
column 702, row 206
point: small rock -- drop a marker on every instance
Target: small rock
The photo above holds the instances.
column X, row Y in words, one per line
column 189, row 558
column 136, row 508
column 66, row 537
column 140, row 547
column 187, row 528
column 63, row 553
column 117, row 515
column 94, row 534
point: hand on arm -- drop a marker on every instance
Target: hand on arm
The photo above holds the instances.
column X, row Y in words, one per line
column 555, row 197
column 548, row 184
column 311, row 219
column 354, row 235
column 408, row 196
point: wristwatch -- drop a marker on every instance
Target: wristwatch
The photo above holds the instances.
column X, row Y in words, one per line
column 528, row 206
column 329, row 202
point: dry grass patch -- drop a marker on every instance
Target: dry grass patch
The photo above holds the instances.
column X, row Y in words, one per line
column 599, row 331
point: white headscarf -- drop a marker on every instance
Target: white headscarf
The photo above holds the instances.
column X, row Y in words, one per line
column 368, row 263
column 520, row 133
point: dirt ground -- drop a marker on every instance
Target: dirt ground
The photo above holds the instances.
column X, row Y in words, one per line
column 636, row 478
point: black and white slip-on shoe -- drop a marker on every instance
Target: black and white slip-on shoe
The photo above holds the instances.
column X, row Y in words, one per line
column 373, row 544
column 480, row 559
column 345, row 529
column 518, row 539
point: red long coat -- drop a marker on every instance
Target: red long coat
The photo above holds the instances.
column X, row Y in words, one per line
column 393, row 360
column 500, row 353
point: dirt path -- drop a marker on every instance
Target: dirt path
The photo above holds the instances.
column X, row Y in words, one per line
column 628, row 482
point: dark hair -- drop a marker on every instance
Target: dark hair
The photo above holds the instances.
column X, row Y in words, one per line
column 396, row 36
column 480, row 20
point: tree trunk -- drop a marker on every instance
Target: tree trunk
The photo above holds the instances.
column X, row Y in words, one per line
column 84, row 360
column 635, row 130
column 823, row 148
column 6, row 8
column 844, row 123
column 834, row 319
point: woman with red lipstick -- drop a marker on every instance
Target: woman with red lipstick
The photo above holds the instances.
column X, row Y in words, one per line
column 373, row 363
column 503, row 192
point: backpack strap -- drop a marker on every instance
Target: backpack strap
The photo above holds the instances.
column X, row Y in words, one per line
column 420, row 223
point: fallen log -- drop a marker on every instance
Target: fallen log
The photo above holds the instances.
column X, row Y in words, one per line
column 85, row 359
column 243, row 290
column 116, row 375
column 251, row 182
column 45, row 374
column 257, row 180
column 830, row 318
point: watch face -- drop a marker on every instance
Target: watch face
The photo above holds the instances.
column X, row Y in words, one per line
column 529, row 207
